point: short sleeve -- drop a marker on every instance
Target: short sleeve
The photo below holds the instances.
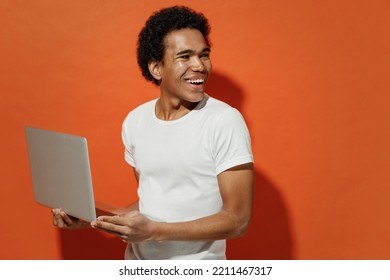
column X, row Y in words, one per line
column 129, row 156
column 232, row 143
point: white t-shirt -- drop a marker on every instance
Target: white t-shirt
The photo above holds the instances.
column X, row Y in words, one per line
column 178, row 162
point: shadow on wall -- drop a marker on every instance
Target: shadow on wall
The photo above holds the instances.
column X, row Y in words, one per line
column 269, row 236
column 90, row 244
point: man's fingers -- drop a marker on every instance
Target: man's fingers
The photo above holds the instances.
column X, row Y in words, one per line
column 68, row 220
column 61, row 219
column 57, row 219
column 108, row 226
column 112, row 227
column 116, row 220
column 59, row 222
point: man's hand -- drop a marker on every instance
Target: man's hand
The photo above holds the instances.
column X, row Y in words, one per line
column 63, row 220
column 131, row 227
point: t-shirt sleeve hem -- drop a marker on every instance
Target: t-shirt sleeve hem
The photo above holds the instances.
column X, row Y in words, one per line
column 233, row 163
column 129, row 161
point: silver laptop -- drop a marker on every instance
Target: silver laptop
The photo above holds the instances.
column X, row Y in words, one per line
column 61, row 175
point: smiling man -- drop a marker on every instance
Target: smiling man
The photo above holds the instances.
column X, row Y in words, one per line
column 191, row 153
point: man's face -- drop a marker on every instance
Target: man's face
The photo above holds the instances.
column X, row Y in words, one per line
column 186, row 65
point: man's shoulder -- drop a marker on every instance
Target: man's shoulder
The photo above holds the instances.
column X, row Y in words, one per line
column 141, row 110
column 221, row 115
column 216, row 104
column 144, row 107
column 216, row 108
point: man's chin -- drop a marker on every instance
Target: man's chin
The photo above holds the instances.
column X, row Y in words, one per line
column 195, row 98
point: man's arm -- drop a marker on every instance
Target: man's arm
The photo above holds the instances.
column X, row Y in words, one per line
column 236, row 187
column 135, row 205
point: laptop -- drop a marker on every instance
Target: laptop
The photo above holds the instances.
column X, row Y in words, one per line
column 61, row 175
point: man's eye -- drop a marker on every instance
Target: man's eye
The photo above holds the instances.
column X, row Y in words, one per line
column 184, row 56
column 205, row 55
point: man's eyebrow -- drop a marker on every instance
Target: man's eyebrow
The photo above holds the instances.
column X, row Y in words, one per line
column 189, row 51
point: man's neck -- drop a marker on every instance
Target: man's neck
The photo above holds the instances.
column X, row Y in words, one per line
column 173, row 109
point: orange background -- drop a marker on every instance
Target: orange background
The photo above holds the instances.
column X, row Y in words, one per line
column 312, row 79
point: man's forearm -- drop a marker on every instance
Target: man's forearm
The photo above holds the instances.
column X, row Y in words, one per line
column 222, row 225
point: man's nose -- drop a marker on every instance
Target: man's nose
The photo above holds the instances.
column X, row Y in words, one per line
column 197, row 64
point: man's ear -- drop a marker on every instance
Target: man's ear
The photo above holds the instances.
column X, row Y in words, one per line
column 154, row 69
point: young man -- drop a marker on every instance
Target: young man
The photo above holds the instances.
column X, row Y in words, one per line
column 190, row 153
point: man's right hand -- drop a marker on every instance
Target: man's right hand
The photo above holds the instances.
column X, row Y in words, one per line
column 63, row 220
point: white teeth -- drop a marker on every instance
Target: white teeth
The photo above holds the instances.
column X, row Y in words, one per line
column 197, row 81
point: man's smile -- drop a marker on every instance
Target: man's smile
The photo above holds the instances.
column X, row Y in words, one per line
column 195, row 81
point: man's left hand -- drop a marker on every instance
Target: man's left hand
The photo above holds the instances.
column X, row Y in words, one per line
column 131, row 227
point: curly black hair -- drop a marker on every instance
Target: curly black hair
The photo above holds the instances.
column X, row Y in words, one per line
column 150, row 46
